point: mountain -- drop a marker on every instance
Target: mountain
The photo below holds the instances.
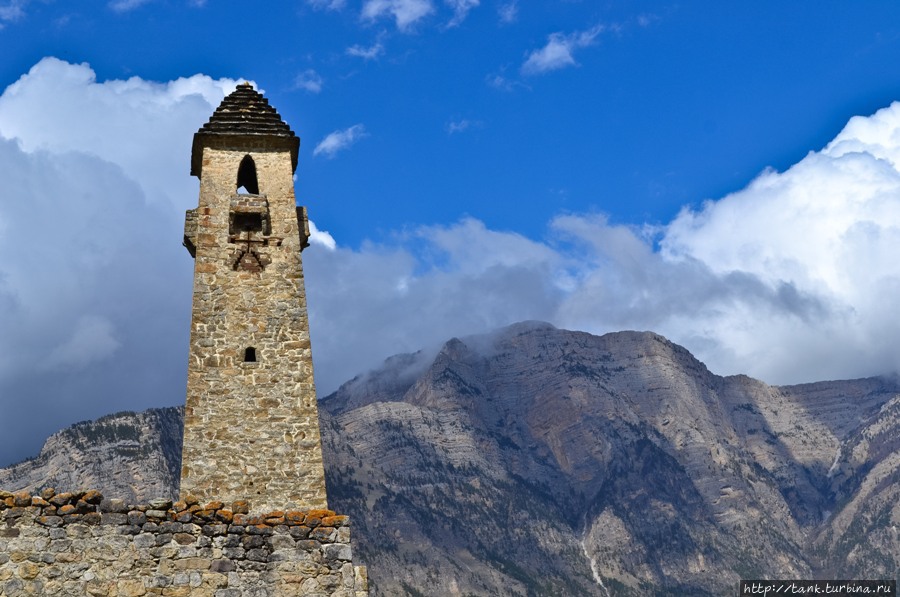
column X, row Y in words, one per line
column 539, row 461
column 134, row 456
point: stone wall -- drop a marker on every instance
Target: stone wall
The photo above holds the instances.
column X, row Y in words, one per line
column 82, row 544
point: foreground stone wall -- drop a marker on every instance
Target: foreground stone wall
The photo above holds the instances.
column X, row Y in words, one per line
column 82, row 544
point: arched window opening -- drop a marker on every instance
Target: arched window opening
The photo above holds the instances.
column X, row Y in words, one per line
column 246, row 177
column 250, row 355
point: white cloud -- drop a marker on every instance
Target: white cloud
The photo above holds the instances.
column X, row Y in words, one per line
column 309, row 80
column 370, row 53
column 327, row 4
column 11, row 11
column 458, row 126
column 558, row 52
column 340, row 140
column 461, row 10
column 126, row 5
column 508, row 12
column 791, row 279
column 405, row 13
column 321, row 237
column 97, row 174
column 60, row 107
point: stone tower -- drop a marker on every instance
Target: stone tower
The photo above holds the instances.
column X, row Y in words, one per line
column 251, row 425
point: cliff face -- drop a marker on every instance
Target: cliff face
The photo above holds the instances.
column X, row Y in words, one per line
column 538, row 461
column 134, row 456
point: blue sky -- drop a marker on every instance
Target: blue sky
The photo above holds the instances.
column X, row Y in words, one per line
column 681, row 167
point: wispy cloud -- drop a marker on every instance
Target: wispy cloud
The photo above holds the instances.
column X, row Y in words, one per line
column 406, row 13
column 459, row 126
column 340, row 140
column 503, row 83
column 558, row 52
column 309, row 80
column 126, row 5
column 327, row 4
column 370, row 53
column 11, row 11
column 461, row 10
column 508, row 12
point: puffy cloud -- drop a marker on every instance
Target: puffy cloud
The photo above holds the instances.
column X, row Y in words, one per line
column 558, row 52
column 405, row 13
column 309, row 80
column 829, row 228
column 431, row 284
column 340, row 140
column 792, row 279
column 96, row 191
column 321, row 237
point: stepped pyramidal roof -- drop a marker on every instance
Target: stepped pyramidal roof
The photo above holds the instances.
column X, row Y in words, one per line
column 244, row 113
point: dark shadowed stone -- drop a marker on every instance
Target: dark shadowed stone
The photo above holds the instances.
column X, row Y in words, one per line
column 212, row 530
column 113, row 505
column 92, row 496
column 136, row 518
column 61, row 499
column 249, row 542
column 323, row 534
column 91, row 518
column 258, row 555
column 337, row 551
column 113, row 518
column 48, row 521
column 171, row 527
column 222, row 566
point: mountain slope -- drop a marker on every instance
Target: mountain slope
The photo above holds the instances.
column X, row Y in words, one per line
column 538, row 461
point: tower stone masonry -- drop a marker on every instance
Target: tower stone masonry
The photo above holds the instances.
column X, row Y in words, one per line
column 252, row 519
column 251, row 426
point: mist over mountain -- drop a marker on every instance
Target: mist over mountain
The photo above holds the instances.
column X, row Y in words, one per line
column 540, row 461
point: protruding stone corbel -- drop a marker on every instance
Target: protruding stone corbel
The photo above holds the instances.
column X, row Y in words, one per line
column 303, row 225
column 190, row 232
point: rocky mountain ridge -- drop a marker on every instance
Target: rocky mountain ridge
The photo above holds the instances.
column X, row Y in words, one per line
column 548, row 462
